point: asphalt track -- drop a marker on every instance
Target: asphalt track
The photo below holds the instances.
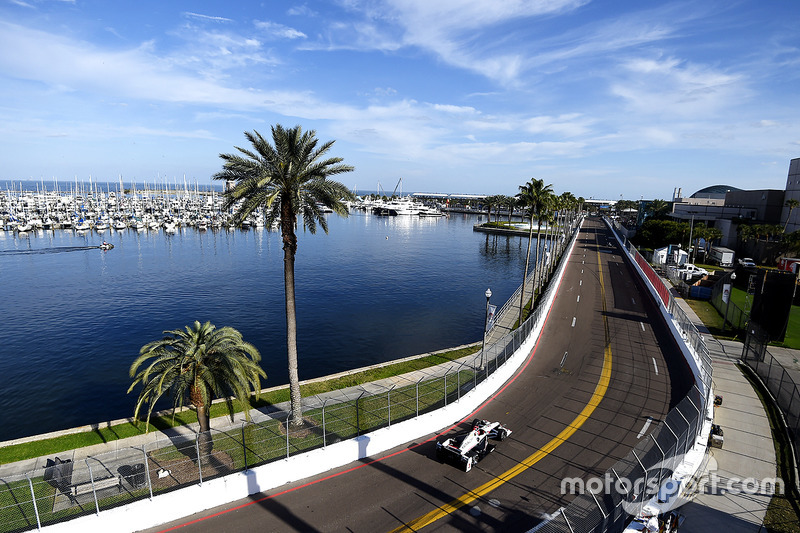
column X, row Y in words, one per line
column 621, row 374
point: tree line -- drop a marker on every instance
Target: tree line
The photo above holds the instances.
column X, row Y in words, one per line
column 765, row 242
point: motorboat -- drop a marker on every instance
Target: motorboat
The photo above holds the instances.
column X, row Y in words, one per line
column 106, row 246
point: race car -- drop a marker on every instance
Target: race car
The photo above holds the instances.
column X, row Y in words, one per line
column 467, row 448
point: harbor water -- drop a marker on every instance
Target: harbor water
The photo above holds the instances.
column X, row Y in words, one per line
column 374, row 289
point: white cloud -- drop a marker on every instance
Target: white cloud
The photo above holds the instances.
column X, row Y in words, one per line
column 455, row 109
column 303, row 11
column 206, row 17
column 673, row 87
column 278, row 31
column 568, row 125
column 61, row 62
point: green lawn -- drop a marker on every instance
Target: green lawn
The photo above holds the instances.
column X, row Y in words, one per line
column 713, row 319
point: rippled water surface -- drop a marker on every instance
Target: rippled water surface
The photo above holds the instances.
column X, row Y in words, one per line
column 372, row 290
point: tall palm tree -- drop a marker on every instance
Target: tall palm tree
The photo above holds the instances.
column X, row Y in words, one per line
column 547, row 215
column 197, row 364
column 532, row 198
column 510, row 202
column 287, row 178
column 489, row 202
column 791, row 203
column 568, row 205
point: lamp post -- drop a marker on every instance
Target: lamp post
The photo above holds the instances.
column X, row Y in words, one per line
column 730, row 297
column 485, row 323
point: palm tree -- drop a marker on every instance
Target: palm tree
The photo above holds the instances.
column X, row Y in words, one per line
column 791, row 204
column 545, row 215
column 510, row 202
column 532, row 198
column 197, row 364
column 568, row 205
column 489, row 202
column 659, row 208
column 711, row 235
column 287, row 179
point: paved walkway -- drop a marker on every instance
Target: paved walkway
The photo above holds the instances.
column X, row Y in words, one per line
column 723, row 502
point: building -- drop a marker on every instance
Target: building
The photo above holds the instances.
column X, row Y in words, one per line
column 724, row 206
column 792, row 220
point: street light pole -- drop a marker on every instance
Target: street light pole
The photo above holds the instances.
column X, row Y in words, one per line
column 485, row 323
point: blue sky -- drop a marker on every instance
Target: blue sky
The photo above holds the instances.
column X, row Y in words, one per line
column 601, row 99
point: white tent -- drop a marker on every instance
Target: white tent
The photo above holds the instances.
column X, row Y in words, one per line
column 670, row 254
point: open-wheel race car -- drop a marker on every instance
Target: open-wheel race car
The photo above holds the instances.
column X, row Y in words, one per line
column 468, row 447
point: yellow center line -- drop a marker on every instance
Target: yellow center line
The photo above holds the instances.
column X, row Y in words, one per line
column 599, row 392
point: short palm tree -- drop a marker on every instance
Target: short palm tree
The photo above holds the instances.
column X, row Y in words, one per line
column 532, row 198
column 659, row 209
column 791, row 203
column 197, row 364
column 287, row 178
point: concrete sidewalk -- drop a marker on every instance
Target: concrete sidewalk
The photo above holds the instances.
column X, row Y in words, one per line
column 723, row 501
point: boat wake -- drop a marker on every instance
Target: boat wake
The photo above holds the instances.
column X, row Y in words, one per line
column 53, row 250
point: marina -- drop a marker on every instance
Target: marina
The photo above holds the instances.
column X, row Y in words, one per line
column 103, row 206
column 376, row 288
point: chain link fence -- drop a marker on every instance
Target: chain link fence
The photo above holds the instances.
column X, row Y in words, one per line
column 72, row 485
column 648, row 468
column 733, row 316
column 776, row 378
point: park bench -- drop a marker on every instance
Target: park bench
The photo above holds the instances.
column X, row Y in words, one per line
column 99, row 484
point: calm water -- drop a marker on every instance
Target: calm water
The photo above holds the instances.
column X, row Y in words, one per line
column 372, row 290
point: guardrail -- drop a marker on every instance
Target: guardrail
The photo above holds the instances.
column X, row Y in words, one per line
column 69, row 487
column 657, row 457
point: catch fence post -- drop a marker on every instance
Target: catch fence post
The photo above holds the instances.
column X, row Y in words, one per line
column 288, row 417
column 33, row 499
column 445, row 387
column 688, row 426
column 663, row 458
column 324, row 431
column 358, row 417
column 597, row 503
column 566, row 521
column 244, row 446
column 644, row 471
column 418, row 382
column 199, row 459
column 389, row 405
column 458, row 382
column 147, row 470
column 94, row 492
